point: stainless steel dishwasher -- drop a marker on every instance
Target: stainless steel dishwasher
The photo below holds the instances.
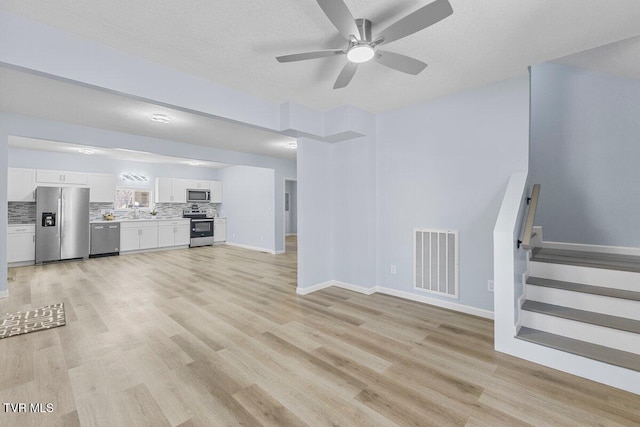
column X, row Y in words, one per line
column 105, row 239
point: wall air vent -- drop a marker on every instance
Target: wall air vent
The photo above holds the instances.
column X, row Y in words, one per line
column 436, row 261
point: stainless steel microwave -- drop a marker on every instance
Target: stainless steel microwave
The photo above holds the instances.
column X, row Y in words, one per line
column 198, row 196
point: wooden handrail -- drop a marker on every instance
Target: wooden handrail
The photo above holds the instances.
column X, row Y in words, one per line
column 531, row 213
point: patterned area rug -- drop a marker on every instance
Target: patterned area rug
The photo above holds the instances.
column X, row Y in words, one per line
column 23, row 322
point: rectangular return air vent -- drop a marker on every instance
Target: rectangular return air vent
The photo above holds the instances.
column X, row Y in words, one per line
column 435, row 261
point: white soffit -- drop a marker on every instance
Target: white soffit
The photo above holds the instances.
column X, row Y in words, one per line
column 119, row 153
column 34, row 95
column 234, row 43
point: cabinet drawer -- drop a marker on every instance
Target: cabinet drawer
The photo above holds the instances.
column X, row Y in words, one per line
column 22, row 229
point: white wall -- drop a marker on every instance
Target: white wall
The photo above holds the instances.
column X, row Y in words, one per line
column 445, row 165
column 354, row 211
column 291, row 216
column 585, row 152
column 3, row 217
column 248, row 204
column 315, row 250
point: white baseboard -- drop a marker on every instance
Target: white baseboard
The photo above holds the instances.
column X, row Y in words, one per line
column 436, row 302
column 4, row 294
column 21, row 264
column 619, row 250
column 355, row 288
column 521, row 300
column 279, row 252
column 253, row 248
column 314, row 288
column 291, row 234
column 401, row 294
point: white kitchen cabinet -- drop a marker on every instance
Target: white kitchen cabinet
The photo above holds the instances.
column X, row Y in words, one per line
column 183, row 234
column 179, row 190
column 136, row 235
column 219, row 230
column 173, row 233
column 149, row 237
column 103, row 188
column 60, row 177
column 21, row 243
column 163, row 190
column 216, row 191
column 170, row 190
column 21, row 185
column 202, row 185
column 129, row 239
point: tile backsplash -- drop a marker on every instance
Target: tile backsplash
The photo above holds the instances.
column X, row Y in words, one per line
column 165, row 210
column 22, row 212
column 96, row 208
column 25, row 212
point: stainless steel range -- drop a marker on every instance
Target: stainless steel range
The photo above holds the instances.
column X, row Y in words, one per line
column 201, row 226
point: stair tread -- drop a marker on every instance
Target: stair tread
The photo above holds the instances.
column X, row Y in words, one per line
column 588, row 289
column 590, row 317
column 597, row 352
column 587, row 259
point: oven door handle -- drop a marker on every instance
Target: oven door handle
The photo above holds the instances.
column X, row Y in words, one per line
column 202, row 220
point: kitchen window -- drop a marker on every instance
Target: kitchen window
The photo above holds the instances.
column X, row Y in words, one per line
column 132, row 198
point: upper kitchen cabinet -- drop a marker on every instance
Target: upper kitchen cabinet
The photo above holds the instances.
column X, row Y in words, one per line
column 174, row 190
column 21, row 185
column 103, row 188
column 200, row 185
column 216, row 191
column 60, row 177
column 163, row 193
column 170, row 190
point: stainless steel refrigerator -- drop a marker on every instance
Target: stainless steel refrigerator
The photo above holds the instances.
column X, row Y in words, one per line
column 62, row 223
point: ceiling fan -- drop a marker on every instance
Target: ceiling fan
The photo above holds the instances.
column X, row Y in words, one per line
column 362, row 47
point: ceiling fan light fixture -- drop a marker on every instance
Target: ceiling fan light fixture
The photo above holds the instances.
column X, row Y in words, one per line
column 360, row 53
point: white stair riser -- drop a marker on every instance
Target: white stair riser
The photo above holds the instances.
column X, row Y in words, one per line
column 616, row 279
column 613, row 338
column 587, row 302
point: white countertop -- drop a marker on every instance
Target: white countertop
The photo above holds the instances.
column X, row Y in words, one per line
column 104, row 221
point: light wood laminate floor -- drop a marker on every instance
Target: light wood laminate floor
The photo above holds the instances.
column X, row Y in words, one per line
column 217, row 336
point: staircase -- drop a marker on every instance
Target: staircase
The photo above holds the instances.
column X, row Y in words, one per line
column 584, row 303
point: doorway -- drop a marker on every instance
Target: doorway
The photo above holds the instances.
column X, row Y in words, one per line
column 290, row 214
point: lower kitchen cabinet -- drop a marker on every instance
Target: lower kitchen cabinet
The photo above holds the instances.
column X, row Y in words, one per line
column 21, row 243
column 136, row 235
column 219, row 230
column 174, row 233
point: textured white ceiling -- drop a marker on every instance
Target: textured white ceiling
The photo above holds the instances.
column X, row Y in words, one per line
column 234, row 43
column 34, row 95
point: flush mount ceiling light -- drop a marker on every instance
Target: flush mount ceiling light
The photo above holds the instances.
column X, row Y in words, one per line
column 292, row 145
column 360, row 53
column 134, row 177
column 194, row 163
column 86, row 151
column 160, row 118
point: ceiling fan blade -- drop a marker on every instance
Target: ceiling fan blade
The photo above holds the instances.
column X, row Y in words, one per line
column 339, row 14
column 310, row 55
column 346, row 75
column 416, row 21
column 399, row 62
